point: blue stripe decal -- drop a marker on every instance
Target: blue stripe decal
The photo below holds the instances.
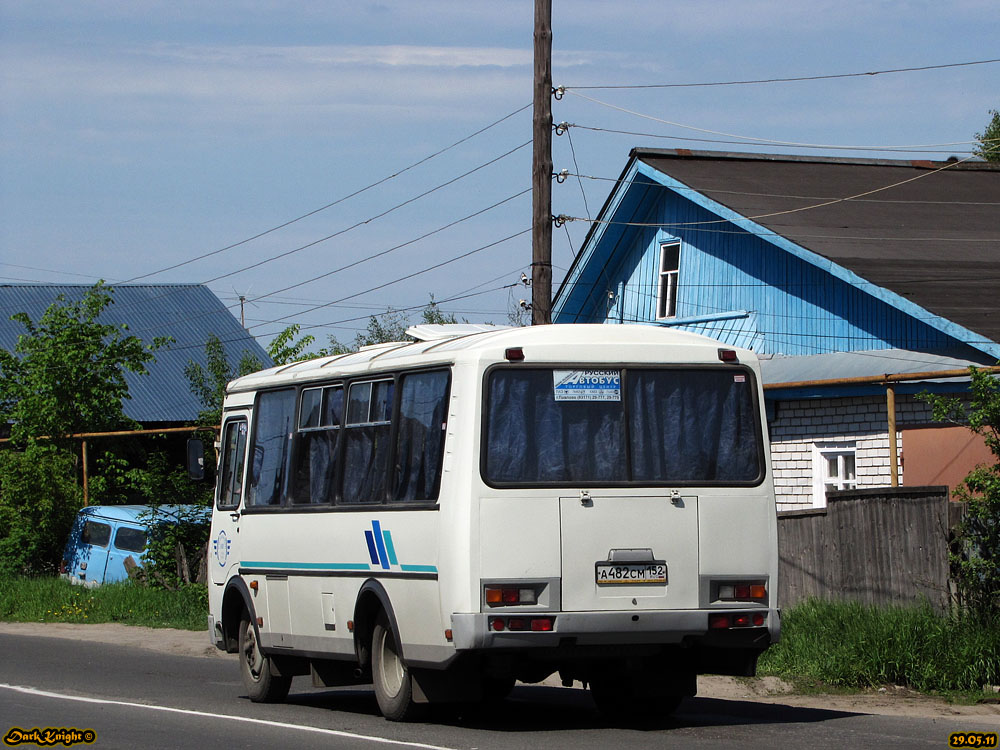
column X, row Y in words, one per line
column 372, row 553
column 419, row 568
column 303, row 565
column 389, row 548
column 380, row 544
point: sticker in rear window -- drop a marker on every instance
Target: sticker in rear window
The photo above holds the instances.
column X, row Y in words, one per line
column 587, row 385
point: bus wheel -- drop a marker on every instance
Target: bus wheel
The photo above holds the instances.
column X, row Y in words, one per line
column 391, row 677
column 255, row 668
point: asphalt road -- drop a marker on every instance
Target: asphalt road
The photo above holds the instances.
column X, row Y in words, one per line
column 137, row 698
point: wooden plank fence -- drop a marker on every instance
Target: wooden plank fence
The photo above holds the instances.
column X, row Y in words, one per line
column 876, row 546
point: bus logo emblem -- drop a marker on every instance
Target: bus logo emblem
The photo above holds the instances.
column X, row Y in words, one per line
column 380, row 547
column 221, row 547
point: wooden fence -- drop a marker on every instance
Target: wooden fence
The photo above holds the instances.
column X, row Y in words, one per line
column 878, row 546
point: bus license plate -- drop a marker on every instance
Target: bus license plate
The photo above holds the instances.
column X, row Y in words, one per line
column 627, row 573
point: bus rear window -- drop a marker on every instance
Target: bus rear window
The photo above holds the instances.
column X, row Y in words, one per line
column 630, row 426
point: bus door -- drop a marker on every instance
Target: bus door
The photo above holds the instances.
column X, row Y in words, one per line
column 622, row 552
column 223, row 552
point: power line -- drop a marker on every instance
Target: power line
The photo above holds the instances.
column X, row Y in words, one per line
column 743, row 138
column 392, row 249
column 369, row 220
column 353, row 226
column 410, row 275
column 714, row 191
column 925, row 148
column 783, row 80
column 454, row 298
column 822, row 204
column 332, row 203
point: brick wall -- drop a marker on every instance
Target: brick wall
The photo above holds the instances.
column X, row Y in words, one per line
column 799, row 425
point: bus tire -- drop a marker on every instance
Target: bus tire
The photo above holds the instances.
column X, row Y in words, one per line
column 390, row 675
column 255, row 668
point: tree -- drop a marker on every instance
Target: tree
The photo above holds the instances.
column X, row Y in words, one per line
column 989, row 139
column 388, row 326
column 209, row 383
column 39, row 499
column 976, row 553
column 67, row 372
column 66, row 375
column 284, row 349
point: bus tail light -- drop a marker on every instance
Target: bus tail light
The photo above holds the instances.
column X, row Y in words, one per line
column 718, row 622
column 501, row 596
column 742, row 591
column 736, row 620
column 522, row 624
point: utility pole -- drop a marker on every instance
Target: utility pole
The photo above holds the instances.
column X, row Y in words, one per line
column 541, row 169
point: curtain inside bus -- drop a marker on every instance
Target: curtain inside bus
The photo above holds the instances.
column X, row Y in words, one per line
column 678, row 425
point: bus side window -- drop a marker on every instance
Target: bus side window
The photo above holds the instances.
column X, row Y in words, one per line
column 367, row 432
column 273, row 430
column 423, row 412
column 319, row 445
column 234, row 445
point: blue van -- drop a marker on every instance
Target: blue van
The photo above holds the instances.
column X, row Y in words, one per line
column 104, row 536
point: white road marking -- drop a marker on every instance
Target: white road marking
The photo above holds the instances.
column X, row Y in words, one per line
column 264, row 722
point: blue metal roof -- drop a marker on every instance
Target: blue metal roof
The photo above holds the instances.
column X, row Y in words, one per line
column 189, row 313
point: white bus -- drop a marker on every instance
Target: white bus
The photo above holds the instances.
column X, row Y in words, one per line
column 442, row 518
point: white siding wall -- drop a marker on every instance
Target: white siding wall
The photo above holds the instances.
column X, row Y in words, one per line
column 799, row 425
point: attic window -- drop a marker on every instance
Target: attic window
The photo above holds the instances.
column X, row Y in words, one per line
column 666, row 296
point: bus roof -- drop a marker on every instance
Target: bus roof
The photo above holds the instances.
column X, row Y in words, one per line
column 445, row 344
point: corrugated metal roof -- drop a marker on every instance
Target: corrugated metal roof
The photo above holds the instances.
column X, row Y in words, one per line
column 189, row 313
column 796, row 369
column 927, row 231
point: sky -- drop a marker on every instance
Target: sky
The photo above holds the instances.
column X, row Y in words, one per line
column 328, row 160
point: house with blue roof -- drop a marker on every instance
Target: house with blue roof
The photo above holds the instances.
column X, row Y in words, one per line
column 836, row 272
column 188, row 313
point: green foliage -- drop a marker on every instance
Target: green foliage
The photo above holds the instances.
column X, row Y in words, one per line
column 431, row 314
column 284, row 348
column 208, row 383
column 853, row 645
column 56, row 600
column 67, row 372
column 975, row 556
column 989, row 139
column 38, row 502
column 176, row 552
column 387, row 327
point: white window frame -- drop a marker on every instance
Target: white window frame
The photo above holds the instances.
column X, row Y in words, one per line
column 845, row 475
column 667, row 279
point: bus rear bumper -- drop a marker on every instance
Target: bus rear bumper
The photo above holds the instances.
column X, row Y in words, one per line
column 475, row 631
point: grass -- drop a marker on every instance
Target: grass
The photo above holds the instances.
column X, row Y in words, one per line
column 850, row 645
column 56, row 600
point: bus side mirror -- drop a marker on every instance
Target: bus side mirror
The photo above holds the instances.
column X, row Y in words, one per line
column 196, row 459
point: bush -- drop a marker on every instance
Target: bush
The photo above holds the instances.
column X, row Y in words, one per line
column 38, row 503
column 176, row 552
column 975, row 554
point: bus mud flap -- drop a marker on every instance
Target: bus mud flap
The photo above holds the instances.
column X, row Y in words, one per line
column 456, row 684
